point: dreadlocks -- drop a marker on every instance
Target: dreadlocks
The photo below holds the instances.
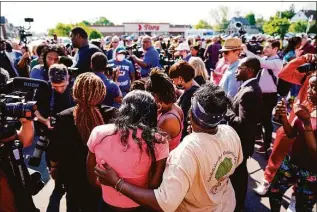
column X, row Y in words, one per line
column 88, row 92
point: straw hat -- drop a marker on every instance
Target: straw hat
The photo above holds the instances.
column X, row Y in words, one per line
column 231, row 44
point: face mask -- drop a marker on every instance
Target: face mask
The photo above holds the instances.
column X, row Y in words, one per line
column 120, row 57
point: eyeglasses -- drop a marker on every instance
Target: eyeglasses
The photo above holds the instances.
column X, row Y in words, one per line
column 115, row 42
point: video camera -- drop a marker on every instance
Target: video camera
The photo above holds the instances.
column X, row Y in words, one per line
column 22, row 31
column 135, row 50
column 20, row 102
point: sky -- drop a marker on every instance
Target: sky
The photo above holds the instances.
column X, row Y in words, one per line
column 47, row 14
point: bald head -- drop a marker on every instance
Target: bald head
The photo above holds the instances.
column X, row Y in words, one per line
column 146, row 42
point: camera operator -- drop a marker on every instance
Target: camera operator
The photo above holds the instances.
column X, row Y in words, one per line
column 123, row 71
column 82, row 58
column 253, row 46
column 25, row 135
column 60, row 99
column 5, row 60
column 151, row 58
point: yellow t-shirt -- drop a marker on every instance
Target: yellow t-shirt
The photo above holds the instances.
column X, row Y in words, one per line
column 196, row 178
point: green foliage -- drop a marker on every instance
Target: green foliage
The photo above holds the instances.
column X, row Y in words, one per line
column 95, row 34
column 251, row 18
column 63, row 30
column 299, row 26
column 202, row 25
column 276, row 26
column 87, row 23
column 287, row 13
column 259, row 23
column 103, row 21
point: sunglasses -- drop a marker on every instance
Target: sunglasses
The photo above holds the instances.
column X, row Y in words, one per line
column 226, row 52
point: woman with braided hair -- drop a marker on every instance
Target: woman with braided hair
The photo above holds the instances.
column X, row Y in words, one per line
column 133, row 146
column 69, row 142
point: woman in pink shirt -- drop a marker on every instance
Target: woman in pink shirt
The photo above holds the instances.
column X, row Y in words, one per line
column 170, row 118
column 133, row 146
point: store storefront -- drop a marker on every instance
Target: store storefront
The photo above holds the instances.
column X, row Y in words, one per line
column 137, row 29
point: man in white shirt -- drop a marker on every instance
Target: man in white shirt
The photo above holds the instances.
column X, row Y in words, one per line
column 271, row 65
column 196, row 177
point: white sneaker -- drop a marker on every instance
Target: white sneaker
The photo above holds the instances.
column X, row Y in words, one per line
column 262, row 188
column 291, row 207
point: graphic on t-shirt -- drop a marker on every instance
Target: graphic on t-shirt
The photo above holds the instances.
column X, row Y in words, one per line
column 224, row 168
column 220, row 171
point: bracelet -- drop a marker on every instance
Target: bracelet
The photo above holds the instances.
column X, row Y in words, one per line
column 123, row 182
column 309, row 130
column 117, row 184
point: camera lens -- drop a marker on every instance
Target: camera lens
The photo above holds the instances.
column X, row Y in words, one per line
column 21, row 110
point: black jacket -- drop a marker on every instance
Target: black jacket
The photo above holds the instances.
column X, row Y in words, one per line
column 245, row 115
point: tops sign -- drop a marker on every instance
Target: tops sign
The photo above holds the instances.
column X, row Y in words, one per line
column 148, row 27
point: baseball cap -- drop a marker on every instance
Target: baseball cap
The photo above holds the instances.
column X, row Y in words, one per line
column 182, row 46
column 121, row 50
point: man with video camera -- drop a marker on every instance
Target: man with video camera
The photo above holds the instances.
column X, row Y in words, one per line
column 151, row 58
column 60, row 99
column 25, row 135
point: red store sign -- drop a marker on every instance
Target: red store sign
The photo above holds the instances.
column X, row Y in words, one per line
column 148, row 27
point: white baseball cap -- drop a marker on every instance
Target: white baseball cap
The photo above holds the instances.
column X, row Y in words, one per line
column 182, row 46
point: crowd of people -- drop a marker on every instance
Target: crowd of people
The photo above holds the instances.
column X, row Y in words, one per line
column 169, row 124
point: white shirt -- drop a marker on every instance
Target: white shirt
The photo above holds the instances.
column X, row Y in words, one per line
column 274, row 63
column 196, row 177
column 246, row 82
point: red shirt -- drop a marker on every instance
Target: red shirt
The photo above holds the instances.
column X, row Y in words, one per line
column 300, row 154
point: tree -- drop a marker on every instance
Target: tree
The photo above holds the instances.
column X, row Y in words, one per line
column 87, row 23
column 287, row 13
column 95, row 34
column 202, row 25
column 61, row 30
column 299, row 26
column 251, row 18
column 260, row 22
column 220, row 17
column 103, row 21
column 276, row 26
